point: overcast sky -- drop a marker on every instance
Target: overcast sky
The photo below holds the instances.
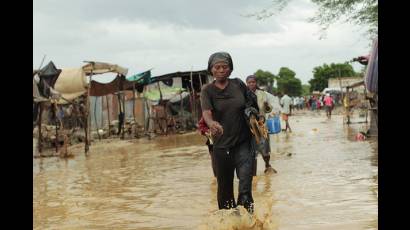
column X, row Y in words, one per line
column 180, row 35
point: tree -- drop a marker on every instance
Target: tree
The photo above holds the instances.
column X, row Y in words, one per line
column 318, row 83
column 290, row 86
column 288, row 83
column 321, row 74
column 362, row 71
column 305, row 90
column 275, row 91
column 285, row 72
column 359, row 12
column 265, row 78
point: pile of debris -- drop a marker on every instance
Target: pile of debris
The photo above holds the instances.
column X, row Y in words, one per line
column 131, row 130
column 49, row 137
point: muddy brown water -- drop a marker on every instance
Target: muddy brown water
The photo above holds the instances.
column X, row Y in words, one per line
column 326, row 180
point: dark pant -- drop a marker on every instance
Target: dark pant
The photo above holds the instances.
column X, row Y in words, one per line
column 239, row 158
column 329, row 110
column 211, row 152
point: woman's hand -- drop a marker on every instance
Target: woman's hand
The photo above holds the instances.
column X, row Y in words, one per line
column 216, row 129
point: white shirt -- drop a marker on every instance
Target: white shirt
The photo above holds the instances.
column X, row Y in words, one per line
column 272, row 100
column 295, row 100
column 286, row 101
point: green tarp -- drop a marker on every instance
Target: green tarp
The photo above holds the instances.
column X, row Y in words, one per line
column 142, row 78
column 167, row 93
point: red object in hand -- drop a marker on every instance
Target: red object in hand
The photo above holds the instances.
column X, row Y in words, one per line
column 360, row 137
column 202, row 126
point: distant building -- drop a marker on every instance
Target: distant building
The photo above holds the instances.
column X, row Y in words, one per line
column 337, row 83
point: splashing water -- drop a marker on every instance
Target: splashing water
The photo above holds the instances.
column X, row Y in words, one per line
column 239, row 219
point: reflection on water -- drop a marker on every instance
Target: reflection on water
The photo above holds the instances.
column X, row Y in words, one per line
column 329, row 181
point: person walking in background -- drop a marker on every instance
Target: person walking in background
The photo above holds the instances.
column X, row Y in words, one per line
column 286, row 102
column 328, row 101
column 313, row 103
column 268, row 106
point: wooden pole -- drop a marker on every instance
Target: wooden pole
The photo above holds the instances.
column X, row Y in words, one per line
column 193, row 104
column 123, row 107
column 88, row 117
column 181, row 111
column 54, row 106
column 133, row 110
column 143, row 108
column 147, row 121
column 85, row 119
column 39, row 127
column 159, row 121
column 119, row 111
column 133, row 99
column 95, row 117
column 160, row 93
column 108, row 115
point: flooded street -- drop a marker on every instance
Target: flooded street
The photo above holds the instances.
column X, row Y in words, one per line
column 326, row 180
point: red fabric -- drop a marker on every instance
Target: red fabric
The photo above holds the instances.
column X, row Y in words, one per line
column 202, row 126
column 328, row 101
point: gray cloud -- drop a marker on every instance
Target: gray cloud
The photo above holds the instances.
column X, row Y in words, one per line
column 212, row 14
column 179, row 35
